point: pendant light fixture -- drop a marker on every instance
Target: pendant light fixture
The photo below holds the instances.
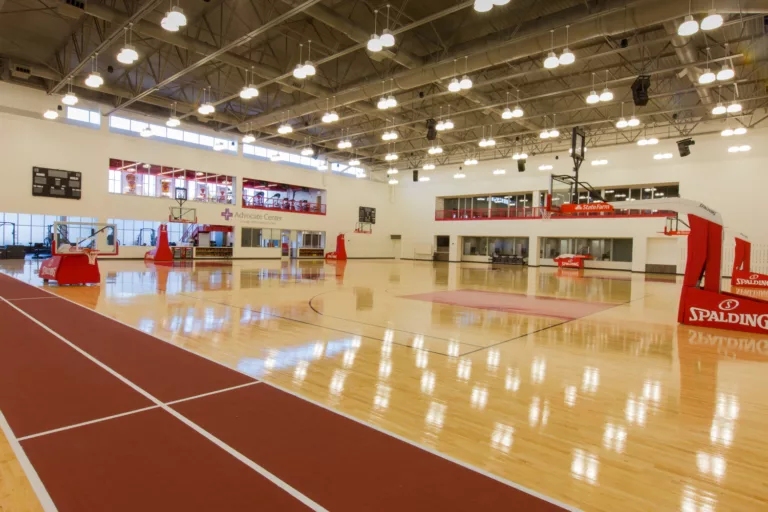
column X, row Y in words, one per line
column 734, row 107
column 374, row 43
column 708, row 76
column 128, row 54
column 544, row 134
column 50, row 114
column 284, row 129
column 307, row 152
column 173, row 121
column 622, row 122
column 726, row 72
column 249, row 91
column 554, row 132
column 455, row 85
column 387, row 39
column 483, row 5
column 689, row 26
column 466, row 82
column 428, row 166
column 94, row 79
column 507, row 114
column 517, row 112
column 567, row 57
column 249, row 138
column 354, row 162
column 607, row 94
column 713, row 20
column 309, row 66
column 174, row 19
column 719, row 109
column 70, row 98
column 146, row 132
column 206, row 108
column 593, row 96
column 299, row 72
column 551, row 62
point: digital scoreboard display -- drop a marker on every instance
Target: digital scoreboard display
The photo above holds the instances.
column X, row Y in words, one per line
column 56, row 183
column 367, row 214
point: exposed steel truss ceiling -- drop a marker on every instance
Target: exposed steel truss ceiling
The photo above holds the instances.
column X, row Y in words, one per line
column 502, row 51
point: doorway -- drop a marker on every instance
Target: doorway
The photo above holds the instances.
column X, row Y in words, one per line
column 396, row 248
column 442, row 248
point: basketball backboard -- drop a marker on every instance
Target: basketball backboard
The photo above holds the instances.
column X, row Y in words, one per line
column 70, row 238
column 183, row 215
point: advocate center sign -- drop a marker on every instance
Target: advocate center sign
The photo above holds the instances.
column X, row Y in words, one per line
column 255, row 218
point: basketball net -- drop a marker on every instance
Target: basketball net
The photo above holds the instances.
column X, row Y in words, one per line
column 92, row 255
column 546, row 214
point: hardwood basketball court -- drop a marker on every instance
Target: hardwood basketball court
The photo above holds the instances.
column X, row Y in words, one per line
column 554, row 391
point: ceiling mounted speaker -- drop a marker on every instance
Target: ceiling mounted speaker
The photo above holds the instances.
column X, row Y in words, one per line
column 521, row 165
column 415, row 175
column 431, row 129
column 640, row 90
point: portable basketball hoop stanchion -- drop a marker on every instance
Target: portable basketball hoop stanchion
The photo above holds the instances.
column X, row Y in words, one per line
column 77, row 263
column 742, row 274
column 163, row 252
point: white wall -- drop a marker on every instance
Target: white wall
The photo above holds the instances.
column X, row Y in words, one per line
column 734, row 184
column 27, row 140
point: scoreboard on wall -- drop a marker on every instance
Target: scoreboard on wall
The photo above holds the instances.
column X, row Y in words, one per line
column 56, row 183
column 367, row 214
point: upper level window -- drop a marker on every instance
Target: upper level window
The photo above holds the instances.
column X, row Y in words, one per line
column 173, row 135
column 275, row 155
column 81, row 115
column 150, row 180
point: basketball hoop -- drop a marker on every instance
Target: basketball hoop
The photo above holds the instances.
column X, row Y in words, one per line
column 92, row 255
column 546, row 214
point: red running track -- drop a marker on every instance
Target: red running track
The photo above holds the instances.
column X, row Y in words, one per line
column 111, row 418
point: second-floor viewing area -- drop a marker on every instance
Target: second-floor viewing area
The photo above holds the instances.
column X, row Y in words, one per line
column 529, row 204
column 267, row 195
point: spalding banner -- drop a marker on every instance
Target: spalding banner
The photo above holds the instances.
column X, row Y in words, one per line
column 586, row 208
column 724, row 311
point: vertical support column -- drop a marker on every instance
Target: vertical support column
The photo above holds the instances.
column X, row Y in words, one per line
column 454, row 251
column 639, row 253
column 533, row 251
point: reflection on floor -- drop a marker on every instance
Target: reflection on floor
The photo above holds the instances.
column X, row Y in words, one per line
column 615, row 408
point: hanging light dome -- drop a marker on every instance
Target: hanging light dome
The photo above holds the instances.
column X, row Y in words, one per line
column 554, row 132
column 544, row 134
column 466, row 83
column 642, row 142
column 734, row 108
column 489, row 143
column 633, row 121
column 392, row 171
column 173, row 122
column 50, row 114
column 284, row 129
column 253, row 91
column 653, row 141
column 94, row 80
column 391, row 102
column 454, row 86
column 440, row 126
column 435, row 150
column 176, row 16
column 726, row 72
column 740, row 131
column 567, row 57
column 70, row 99
column 689, row 27
column 391, row 157
column 393, row 181
column 712, row 21
column 719, row 109
column 249, row 138
column 206, row 109
column 507, row 114
column 593, row 97
column 707, row 77
column 334, row 116
column 448, row 124
column 327, row 118
column 245, row 93
column 374, row 44
column 354, row 162
column 622, row 123
column 146, row 132
column 517, row 112
column 309, row 68
column 470, row 161
column 307, row 151
column 127, row 55
column 483, row 142
column 551, row 62
column 428, row 167
column 382, row 104
column 606, row 95
column 168, row 25
column 299, row 72
column 727, row 132
column 387, row 39
column 483, row 5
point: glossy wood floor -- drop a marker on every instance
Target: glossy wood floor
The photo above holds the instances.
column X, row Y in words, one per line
column 618, row 410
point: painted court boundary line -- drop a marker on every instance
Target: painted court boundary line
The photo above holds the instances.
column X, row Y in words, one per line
column 194, row 426
column 352, row 418
column 34, row 479
column 135, row 411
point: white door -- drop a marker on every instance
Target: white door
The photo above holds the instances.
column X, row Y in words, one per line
column 396, row 249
